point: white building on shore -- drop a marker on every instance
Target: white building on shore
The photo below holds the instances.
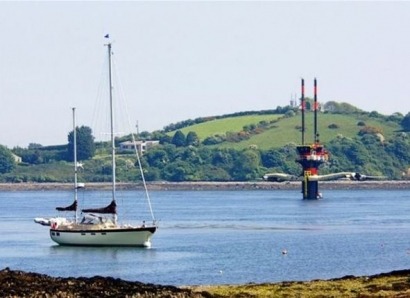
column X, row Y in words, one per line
column 142, row 146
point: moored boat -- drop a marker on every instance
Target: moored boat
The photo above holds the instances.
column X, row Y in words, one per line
column 99, row 226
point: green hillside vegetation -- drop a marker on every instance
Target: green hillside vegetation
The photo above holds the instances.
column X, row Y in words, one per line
column 288, row 130
column 97, row 169
column 237, row 147
column 56, row 171
column 281, row 130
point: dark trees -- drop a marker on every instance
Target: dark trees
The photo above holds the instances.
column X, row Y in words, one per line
column 192, row 139
column 85, row 144
column 405, row 123
column 179, row 139
column 7, row 162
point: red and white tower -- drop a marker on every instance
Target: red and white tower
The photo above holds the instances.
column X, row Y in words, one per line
column 310, row 156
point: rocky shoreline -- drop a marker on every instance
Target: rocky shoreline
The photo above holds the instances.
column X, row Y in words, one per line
column 14, row 283
column 202, row 186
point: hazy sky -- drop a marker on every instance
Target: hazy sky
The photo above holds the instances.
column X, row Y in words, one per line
column 183, row 60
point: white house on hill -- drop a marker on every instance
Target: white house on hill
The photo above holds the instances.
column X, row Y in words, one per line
column 142, row 146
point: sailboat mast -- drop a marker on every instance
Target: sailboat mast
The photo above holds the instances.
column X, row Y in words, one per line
column 75, row 164
column 112, row 122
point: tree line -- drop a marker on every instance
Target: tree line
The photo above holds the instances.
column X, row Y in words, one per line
column 184, row 158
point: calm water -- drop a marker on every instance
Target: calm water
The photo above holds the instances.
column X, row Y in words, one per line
column 216, row 237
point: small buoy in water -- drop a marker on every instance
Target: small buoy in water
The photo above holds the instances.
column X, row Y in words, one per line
column 220, row 272
column 284, row 252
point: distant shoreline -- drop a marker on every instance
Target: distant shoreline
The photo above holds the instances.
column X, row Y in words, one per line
column 203, row 186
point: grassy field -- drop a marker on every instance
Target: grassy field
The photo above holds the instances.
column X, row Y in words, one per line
column 221, row 126
column 286, row 130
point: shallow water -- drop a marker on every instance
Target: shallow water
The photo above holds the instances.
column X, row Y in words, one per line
column 215, row 237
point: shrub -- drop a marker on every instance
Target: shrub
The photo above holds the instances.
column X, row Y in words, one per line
column 370, row 130
column 213, row 140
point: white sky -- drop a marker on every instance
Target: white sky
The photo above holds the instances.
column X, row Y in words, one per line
column 183, row 60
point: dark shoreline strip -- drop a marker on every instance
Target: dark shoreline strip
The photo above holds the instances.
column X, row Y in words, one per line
column 16, row 283
column 200, row 186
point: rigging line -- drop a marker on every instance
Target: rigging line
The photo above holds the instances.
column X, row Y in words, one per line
column 100, row 114
column 100, row 119
column 120, row 103
column 134, row 141
column 101, row 104
column 142, row 176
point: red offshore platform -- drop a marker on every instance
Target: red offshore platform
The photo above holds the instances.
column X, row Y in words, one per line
column 310, row 156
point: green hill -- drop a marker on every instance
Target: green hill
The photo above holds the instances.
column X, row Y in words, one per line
column 358, row 141
column 284, row 130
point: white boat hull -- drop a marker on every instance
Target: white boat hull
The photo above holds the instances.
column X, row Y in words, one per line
column 140, row 236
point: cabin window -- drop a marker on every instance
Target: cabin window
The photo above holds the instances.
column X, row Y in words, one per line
column 92, row 233
column 104, row 233
column 53, row 234
column 82, row 234
column 58, row 234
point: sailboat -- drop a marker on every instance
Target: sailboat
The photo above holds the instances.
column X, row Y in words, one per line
column 99, row 226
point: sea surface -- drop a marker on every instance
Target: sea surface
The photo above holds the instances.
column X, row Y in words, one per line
column 220, row 237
